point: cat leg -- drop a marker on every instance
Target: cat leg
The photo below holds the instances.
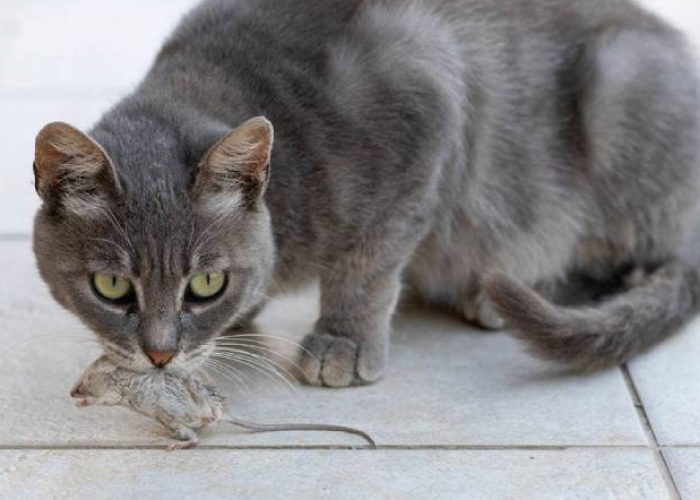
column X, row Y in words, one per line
column 351, row 339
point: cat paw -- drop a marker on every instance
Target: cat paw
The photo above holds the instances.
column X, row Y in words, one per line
column 482, row 313
column 335, row 361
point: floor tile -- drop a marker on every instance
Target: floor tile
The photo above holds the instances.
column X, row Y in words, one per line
column 331, row 474
column 684, row 464
column 21, row 118
column 87, row 44
column 447, row 385
column 667, row 381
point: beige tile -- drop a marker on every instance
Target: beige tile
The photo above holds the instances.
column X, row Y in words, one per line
column 331, row 474
column 667, row 381
column 684, row 464
column 447, row 385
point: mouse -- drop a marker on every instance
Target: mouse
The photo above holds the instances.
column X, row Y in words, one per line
column 184, row 405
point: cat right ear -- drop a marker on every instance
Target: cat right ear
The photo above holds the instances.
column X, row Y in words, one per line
column 236, row 170
column 71, row 170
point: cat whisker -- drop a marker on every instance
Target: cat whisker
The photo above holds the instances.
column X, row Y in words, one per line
column 54, row 338
column 113, row 220
column 105, row 240
column 251, row 358
column 228, row 373
column 251, row 366
column 258, row 345
column 264, row 336
column 272, row 362
column 264, row 368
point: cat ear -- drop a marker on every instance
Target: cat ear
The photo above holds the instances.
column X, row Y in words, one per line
column 236, row 169
column 71, row 170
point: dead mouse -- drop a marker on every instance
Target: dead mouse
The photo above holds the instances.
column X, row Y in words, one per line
column 182, row 405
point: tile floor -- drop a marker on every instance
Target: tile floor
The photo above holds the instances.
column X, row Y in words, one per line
column 461, row 414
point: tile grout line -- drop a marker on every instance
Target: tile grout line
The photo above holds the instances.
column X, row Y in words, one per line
column 651, row 435
column 68, row 447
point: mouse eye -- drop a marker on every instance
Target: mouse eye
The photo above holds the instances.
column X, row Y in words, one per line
column 205, row 287
column 112, row 287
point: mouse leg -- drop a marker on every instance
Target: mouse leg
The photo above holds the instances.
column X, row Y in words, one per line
column 187, row 438
column 195, row 391
column 109, row 399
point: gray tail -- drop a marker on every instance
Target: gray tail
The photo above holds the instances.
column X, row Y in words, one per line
column 608, row 333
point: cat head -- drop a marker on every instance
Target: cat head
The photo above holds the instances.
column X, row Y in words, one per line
column 157, row 254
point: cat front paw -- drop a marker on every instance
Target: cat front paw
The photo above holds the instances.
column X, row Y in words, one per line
column 335, row 361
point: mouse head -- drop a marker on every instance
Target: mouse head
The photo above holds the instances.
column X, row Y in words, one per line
column 97, row 380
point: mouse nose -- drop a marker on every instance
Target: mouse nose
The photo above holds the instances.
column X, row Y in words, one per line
column 160, row 358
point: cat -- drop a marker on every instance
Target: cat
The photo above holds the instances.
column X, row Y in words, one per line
column 489, row 156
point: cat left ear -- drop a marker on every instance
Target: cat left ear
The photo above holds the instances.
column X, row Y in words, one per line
column 237, row 168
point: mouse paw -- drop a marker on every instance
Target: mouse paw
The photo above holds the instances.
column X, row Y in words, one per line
column 183, row 445
column 336, row 361
column 186, row 437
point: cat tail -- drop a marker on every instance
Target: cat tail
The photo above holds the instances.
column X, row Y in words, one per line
column 605, row 334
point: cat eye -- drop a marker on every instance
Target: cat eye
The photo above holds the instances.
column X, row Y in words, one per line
column 112, row 287
column 205, row 287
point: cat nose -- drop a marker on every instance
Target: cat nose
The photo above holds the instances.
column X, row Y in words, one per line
column 160, row 358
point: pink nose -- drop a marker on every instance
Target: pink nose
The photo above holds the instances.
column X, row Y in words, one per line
column 160, row 359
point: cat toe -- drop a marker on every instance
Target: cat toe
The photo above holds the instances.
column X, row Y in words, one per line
column 488, row 318
column 482, row 313
column 335, row 361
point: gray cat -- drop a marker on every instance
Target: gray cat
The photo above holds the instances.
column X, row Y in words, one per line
column 533, row 162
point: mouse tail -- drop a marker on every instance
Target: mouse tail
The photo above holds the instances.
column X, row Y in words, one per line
column 256, row 427
column 606, row 334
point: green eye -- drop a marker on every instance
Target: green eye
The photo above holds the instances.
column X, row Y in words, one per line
column 111, row 286
column 207, row 286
